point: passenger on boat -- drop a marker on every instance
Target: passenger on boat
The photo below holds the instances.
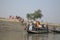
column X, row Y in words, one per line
column 30, row 26
column 43, row 26
column 27, row 24
column 38, row 24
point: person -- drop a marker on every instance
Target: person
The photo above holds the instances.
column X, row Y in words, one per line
column 37, row 24
column 22, row 21
column 30, row 26
column 43, row 26
column 27, row 24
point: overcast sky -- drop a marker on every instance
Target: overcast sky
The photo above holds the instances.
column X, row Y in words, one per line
column 50, row 8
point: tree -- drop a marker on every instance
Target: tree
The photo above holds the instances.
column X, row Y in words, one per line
column 28, row 16
column 37, row 14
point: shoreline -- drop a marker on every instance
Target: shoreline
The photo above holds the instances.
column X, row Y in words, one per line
column 16, row 20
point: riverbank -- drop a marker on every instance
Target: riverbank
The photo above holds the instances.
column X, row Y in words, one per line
column 10, row 20
column 11, row 26
column 10, row 30
column 16, row 20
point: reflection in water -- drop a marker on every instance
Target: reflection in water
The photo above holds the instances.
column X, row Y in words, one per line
column 42, row 36
column 17, row 35
column 36, row 36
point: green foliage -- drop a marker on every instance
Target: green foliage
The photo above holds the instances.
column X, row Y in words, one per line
column 37, row 14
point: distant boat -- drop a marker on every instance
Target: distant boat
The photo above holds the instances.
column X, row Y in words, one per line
column 56, row 31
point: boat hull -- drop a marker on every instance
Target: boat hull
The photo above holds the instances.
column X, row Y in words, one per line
column 56, row 31
column 38, row 30
column 35, row 32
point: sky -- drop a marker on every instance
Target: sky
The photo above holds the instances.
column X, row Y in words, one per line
column 50, row 8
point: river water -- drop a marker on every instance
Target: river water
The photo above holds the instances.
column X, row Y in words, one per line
column 19, row 35
column 14, row 31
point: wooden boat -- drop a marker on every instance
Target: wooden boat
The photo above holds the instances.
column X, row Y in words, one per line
column 55, row 31
column 38, row 31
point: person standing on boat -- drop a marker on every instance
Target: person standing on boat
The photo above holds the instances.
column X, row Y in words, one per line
column 27, row 24
column 30, row 26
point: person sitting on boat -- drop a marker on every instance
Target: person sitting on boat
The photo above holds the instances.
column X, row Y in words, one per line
column 43, row 26
column 38, row 24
